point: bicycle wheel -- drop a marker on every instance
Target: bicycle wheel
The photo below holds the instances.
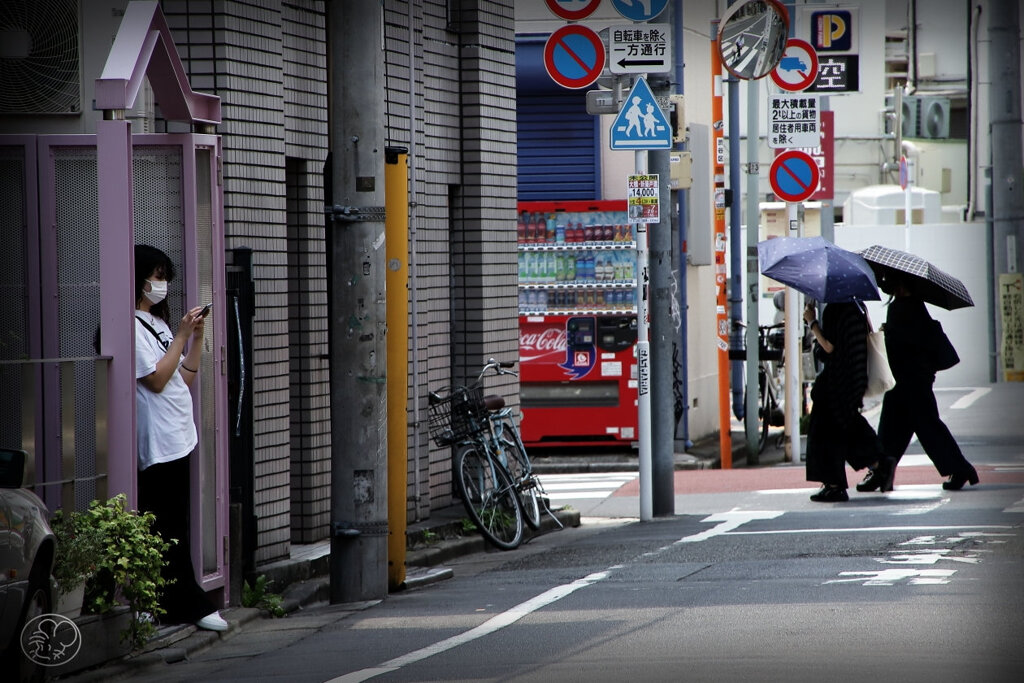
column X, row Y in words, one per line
column 764, row 412
column 518, row 463
column 489, row 497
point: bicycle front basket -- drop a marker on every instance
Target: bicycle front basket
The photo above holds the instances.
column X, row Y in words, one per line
column 457, row 415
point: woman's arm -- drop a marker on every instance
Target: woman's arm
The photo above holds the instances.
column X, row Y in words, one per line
column 810, row 315
column 169, row 363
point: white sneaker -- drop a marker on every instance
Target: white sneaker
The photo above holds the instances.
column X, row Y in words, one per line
column 213, row 622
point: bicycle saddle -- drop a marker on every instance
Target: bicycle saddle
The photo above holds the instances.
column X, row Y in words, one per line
column 494, row 402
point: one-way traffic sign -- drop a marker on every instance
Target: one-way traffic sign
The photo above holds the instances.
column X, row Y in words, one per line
column 639, row 49
column 641, row 124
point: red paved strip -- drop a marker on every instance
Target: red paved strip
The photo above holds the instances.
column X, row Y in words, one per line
column 792, row 477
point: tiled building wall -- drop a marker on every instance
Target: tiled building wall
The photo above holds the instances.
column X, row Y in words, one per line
column 266, row 59
column 464, row 165
column 305, row 108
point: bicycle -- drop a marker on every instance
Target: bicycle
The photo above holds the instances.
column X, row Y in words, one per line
column 492, row 471
column 770, row 344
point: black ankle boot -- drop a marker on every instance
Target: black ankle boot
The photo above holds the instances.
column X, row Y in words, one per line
column 957, row 481
column 880, row 478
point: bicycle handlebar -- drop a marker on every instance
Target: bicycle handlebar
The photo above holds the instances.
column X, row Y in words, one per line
column 499, row 367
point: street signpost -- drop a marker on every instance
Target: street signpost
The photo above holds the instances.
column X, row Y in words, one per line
column 798, row 68
column 793, row 120
column 639, row 11
column 823, row 154
column 574, row 56
column 793, row 176
column 640, row 49
column 641, row 125
column 602, row 102
column 572, row 10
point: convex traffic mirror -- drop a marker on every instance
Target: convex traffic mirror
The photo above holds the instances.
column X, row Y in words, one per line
column 752, row 37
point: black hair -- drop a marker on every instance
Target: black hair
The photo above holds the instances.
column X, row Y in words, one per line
column 149, row 260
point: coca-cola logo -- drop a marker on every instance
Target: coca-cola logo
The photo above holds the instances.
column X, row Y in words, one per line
column 551, row 339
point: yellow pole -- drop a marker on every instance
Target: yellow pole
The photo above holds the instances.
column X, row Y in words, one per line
column 396, row 250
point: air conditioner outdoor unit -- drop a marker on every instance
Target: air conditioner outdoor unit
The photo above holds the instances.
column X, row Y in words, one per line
column 933, row 117
column 39, row 53
column 909, row 117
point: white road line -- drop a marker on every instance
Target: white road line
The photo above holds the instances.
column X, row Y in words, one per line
column 776, row 532
column 559, row 487
column 968, row 400
column 499, row 621
column 1016, row 507
column 729, row 520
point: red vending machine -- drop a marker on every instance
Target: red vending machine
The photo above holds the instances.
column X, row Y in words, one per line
column 577, row 324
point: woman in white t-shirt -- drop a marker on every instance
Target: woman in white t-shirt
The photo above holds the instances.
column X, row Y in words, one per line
column 166, row 429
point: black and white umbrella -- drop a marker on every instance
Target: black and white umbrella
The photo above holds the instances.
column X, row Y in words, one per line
column 927, row 281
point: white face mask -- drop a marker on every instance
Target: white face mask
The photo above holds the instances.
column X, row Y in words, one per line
column 158, row 291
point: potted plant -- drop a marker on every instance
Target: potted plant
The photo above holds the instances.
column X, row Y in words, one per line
column 78, row 554
column 121, row 557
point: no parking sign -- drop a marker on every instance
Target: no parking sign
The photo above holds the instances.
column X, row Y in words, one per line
column 794, row 176
column 574, row 56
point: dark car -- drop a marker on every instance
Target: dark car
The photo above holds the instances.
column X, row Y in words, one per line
column 26, row 559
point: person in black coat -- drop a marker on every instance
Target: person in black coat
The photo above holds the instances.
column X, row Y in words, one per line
column 909, row 407
column 838, row 433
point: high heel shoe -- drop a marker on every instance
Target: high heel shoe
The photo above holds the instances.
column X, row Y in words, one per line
column 831, row 494
column 880, row 478
column 957, row 481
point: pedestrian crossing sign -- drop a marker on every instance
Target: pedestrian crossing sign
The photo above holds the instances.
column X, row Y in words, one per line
column 641, row 124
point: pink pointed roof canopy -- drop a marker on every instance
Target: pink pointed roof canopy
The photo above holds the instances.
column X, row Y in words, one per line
column 144, row 47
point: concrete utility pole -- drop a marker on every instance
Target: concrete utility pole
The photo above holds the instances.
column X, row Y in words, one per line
column 1005, row 121
column 662, row 334
column 356, row 303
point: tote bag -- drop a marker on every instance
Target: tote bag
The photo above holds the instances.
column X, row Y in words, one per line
column 880, row 379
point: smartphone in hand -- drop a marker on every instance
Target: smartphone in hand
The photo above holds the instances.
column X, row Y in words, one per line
column 206, row 310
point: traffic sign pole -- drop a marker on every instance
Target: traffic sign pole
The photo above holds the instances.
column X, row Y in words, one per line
column 721, row 319
column 793, row 349
column 643, row 358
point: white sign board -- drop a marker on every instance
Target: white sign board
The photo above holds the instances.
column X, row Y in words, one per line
column 644, row 199
column 793, row 120
column 640, row 48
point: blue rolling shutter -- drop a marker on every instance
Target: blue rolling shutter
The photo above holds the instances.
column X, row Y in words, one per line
column 558, row 140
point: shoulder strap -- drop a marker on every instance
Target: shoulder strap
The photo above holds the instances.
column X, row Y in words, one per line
column 153, row 332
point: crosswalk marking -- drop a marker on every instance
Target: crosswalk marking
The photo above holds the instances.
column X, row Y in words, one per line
column 561, row 487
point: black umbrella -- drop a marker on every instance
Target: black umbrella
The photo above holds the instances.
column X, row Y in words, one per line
column 930, row 283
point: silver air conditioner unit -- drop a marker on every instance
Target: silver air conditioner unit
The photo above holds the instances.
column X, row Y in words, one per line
column 933, row 117
column 39, row 55
column 909, row 117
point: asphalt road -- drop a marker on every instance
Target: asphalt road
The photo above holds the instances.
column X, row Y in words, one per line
column 749, row 580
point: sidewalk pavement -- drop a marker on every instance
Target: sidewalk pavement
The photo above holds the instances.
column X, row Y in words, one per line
column 305, row 575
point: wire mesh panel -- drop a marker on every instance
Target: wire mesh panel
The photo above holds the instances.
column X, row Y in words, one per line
column 78, row 304
column 159, row 216
column 13, row 293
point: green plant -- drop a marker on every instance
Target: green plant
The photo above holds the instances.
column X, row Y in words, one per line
column 258, row 596
column 79, row 547
column 468, row 526
column 125, row 556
